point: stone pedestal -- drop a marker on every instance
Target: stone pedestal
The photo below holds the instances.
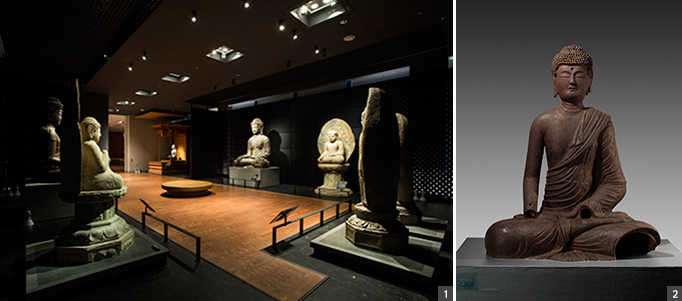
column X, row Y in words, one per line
column 381, row 232
column 96, row 232
column 242, row 175
column 333, row 174
column 646, row 277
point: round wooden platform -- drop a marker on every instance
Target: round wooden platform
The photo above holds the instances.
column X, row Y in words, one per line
column 187, row 188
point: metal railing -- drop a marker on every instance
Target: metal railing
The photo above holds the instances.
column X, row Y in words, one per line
column 300, row 220
column 165, row 232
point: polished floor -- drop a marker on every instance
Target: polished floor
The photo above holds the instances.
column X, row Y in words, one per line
column 234, row 225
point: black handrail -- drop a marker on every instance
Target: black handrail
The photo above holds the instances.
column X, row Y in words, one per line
column 165, row 232
column 300, row 220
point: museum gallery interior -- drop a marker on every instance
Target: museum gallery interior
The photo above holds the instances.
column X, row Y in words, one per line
column 226, row 150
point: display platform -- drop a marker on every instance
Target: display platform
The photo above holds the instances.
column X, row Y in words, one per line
column 479, row 277
column 249, row 176
column 187, row 188
column 45, row 278
column 417, row 264
column 168, row 167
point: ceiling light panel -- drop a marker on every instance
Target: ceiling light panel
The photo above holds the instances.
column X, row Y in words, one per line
column 125, row 103
column 175, row 78
column 224, row 54
column 145, row 93
column 317, row 11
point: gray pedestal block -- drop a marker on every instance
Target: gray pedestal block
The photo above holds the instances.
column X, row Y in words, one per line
column 268, row 176
column 479, row 277
column 45, row 277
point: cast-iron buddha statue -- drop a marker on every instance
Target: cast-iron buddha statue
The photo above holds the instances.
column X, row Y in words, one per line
column 584, row 182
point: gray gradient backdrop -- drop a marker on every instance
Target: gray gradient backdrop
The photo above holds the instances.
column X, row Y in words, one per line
column 504, row 54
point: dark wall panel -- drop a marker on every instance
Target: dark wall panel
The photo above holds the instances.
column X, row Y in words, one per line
column 205, row 144
column 293, row 126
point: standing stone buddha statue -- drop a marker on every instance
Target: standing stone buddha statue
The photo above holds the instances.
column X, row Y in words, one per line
column 584, row 182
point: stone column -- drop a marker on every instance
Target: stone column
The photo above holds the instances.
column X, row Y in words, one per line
column 375, row 224
column 409, row 214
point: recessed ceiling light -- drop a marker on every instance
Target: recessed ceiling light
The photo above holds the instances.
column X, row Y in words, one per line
column 343, row 22
column 281, row 25
column 246, row 4
column 175, row 78
column 114, row 110
column 349, row 38
column 314, row 12
column 224, row 54
column 119, row 121
column 144, row 56
column 194, row 17
column 125, row 103
column 145, row 93
column 295, row 36
column 130, row 67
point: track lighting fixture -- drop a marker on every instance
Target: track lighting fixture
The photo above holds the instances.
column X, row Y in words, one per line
column 130, row 67
column 246, row 4
column 144, row 56
column 194, row 17
column 317, row 49
column 281, row 25
column 295, row 36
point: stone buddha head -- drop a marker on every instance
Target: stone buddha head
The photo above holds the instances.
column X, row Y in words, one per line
column 257, row 126
column 91, row 129
column 53, row 109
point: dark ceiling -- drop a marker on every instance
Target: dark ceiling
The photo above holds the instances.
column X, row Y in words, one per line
column 58, row 41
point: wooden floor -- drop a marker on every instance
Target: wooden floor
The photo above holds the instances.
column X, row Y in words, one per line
column 233, row 224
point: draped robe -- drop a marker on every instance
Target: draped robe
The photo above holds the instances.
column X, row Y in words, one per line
column 576, row 222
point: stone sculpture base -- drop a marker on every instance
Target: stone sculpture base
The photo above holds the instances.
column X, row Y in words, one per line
column 377, row 232
column 646, row 277
column 90, row 253
column 409, row 214
column 46, row 280
column 268, row 176
column 96, row 232
column 417, row 264
column 333, row 174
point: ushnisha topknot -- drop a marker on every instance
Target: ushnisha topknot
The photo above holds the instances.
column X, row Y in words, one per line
column 572, row 55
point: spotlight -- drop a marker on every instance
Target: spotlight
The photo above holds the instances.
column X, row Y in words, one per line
column 281, row 25
column 246, row 4
column 295, row 36
column 144, row 56
column 130, row 67
column 194, row 17
column 317, row 49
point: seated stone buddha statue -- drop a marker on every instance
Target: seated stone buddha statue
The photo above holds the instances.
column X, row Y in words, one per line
column 258, row 148
column 333, row 149
column 584, row 182
column 96, row 174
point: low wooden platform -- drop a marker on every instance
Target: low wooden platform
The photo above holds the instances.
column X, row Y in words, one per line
column 233, row 223
column 168, row 167
column 187, row 188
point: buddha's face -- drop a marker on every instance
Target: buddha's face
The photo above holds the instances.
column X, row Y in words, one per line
column 97, row 135
column 56, row 117
column 332, row 136
column 256, row 128
column 572, row 82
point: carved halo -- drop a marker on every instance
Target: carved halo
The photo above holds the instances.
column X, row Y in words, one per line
column 345, row 135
